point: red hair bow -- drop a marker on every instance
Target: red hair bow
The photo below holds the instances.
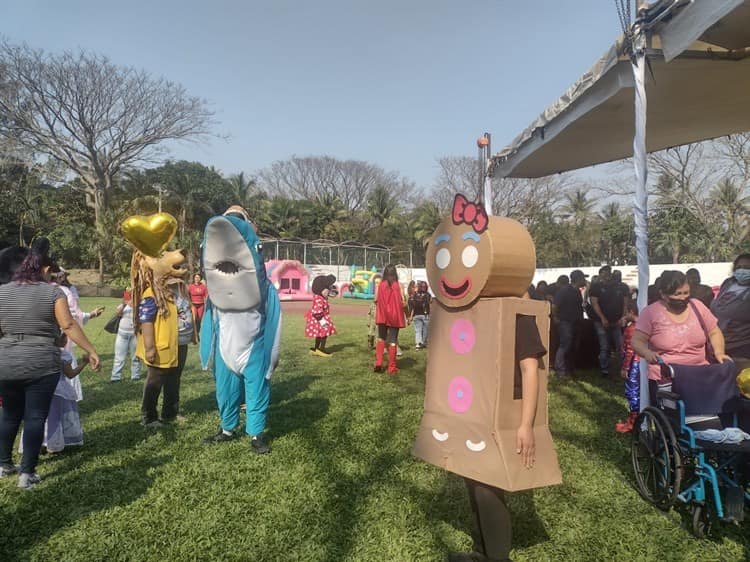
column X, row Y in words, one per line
column 473, row 214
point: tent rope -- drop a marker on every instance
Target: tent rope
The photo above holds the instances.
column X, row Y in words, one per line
column 624, row 14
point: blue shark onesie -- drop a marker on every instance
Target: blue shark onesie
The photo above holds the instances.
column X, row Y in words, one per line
column 242, row 323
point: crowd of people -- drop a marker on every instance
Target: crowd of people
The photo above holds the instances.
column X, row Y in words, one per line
column 683, row 324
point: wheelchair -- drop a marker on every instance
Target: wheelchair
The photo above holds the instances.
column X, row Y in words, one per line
column 672, row 465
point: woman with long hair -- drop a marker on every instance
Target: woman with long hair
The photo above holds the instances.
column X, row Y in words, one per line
column 389, row 317
column 32, row 312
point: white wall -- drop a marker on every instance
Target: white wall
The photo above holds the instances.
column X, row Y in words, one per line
column 712, row 274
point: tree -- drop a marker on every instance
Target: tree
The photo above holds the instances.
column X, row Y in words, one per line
column 93, row 116
column 324, row 178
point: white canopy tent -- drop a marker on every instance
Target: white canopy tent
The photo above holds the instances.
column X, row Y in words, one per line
column 688, row 69
column 702, row 93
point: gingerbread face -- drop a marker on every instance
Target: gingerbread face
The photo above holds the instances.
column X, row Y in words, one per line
column 457, row 263
column 472, row 255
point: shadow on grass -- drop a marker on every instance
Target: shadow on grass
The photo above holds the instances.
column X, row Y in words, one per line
column 339, row 347
column 61, row 501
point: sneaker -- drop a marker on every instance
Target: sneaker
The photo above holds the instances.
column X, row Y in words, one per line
column 259, row 446
column 178, row 419
column 28, row 481
column 321, row 353
column 627, row 425
column 115, row 380
column 378, row 368
column 220, row 437
column 135, row 378
column 313, row 351
column 7, row 470
column 156, row 424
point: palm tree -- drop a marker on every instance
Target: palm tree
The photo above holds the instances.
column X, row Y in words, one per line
column 381, row 204
column 577, row 207
column 731, row 206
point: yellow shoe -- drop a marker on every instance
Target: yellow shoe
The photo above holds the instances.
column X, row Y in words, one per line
column 321, row 353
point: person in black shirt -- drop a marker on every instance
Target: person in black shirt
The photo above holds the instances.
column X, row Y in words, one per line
column 419, row 309
column 608, row 300
column 567, row 310
column 703, row 293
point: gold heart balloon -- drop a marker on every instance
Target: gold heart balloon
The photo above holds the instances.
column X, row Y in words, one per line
column 743, row 381
column 150, row 235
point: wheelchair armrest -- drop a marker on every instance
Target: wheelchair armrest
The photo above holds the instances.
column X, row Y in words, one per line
column 667, row 394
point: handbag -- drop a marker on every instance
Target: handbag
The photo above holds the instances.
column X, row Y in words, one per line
column 710, row 354
column 113, row 324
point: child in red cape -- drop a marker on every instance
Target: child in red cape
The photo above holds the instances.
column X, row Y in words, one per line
column 389, row 317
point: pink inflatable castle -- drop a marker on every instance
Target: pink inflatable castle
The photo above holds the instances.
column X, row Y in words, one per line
column 290, row 279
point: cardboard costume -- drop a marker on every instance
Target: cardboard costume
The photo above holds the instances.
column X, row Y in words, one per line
column 241, row 325
column 478, row 267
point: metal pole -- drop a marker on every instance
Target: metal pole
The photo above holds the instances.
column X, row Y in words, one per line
column 304, row 254
column 365, row 264
column 640, row 165
column 277, row 250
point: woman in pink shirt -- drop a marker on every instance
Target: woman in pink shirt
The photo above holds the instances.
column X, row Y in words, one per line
column 669, row 329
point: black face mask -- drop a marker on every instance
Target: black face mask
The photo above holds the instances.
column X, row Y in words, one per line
column 677, row 305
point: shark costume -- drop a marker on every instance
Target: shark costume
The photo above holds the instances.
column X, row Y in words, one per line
column 241, row 325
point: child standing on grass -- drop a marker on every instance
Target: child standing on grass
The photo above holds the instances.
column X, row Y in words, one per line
column 371, row 326
column 630, row 370
column 64, row 421
column 63, row 426
column 318, row 319
column 389, row 316
column 419, row 310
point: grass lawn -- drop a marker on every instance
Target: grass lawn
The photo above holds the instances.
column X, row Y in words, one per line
column 340, row 483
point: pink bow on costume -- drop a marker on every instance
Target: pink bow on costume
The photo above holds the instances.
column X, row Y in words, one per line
column 472, row 214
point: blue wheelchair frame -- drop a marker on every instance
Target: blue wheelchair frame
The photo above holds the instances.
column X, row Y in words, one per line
column 665, row 448
column 707, row 476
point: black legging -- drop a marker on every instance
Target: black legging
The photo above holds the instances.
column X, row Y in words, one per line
column 492, row 520
column 388, row 334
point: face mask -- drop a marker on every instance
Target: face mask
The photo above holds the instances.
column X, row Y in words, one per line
column 742, row 276
column 677, row 305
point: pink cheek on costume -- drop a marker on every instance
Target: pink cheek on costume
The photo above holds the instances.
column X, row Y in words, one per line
column 463, row 336
column 460, row 394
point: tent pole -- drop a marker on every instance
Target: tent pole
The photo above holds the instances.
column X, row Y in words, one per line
column 640, row 201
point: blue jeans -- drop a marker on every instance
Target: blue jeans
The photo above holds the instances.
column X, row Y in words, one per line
column 566, row 334
column 25, row 400
column 603, row 334
column 420, row 329
column 124, row 344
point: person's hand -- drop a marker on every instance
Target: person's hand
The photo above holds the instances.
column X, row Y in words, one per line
column 624, row 373
column 605, row 322
column 651, row 357
column 151, row 355
column 94, row 361
column 721, row 357
column 525, row 445
column 96, row 312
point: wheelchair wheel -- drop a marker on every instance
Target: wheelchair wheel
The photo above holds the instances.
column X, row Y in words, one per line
column 701, row 519
column 656, row 457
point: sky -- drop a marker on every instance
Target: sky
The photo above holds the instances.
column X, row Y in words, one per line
column 399, row 83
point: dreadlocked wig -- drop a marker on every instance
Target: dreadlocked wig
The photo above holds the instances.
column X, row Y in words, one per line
column 141, row 277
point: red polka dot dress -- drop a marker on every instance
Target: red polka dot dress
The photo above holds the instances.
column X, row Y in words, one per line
column 319, row 324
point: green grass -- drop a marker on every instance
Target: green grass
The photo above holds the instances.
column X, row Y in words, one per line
column 340, row 483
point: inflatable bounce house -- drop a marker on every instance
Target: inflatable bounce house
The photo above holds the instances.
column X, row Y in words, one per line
column 363, row 284
column 290, row 279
